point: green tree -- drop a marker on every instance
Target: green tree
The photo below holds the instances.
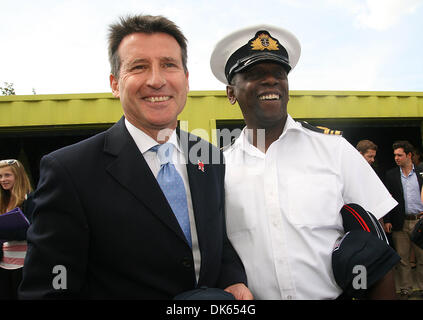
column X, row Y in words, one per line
column 8, row 89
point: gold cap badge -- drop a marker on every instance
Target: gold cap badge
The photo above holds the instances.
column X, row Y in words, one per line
column 264, row 41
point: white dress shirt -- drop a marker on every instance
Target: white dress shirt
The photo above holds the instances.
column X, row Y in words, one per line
column 144, row 143
column 283, row 209
column 412, row 198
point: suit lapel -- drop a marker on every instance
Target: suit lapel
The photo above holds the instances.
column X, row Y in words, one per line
column 130, row 169
column 197, row 151
column 419, row 177
column 191, row 148
column 398, row 181
column 187, row 143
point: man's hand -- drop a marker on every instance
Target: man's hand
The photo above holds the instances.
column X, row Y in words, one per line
column 240, row 291
column 387, row 227
column 384, row 289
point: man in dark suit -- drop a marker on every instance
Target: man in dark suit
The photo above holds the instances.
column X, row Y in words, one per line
column 102, row 226
column 405, row 184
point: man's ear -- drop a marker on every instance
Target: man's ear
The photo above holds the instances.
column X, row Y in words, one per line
column 114, row 84
column 230, row 92
column 187, row 76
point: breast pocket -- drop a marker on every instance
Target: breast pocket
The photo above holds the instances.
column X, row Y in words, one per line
column 314, row 200
column 243, row 202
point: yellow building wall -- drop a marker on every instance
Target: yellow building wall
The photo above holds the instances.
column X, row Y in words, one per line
column 203, row 109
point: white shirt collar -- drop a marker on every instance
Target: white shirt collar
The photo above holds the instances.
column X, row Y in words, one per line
column 144, row 142
column 244, row 144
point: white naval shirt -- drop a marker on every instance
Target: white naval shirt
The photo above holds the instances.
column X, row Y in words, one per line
column 282, row 209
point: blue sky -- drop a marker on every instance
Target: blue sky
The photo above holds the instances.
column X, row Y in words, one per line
column 367, row 45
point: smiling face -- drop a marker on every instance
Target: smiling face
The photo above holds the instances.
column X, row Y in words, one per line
column 262, row 94
column 7, row 178
column 152, row 85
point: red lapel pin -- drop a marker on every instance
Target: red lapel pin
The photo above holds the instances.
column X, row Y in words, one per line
column 200, row 165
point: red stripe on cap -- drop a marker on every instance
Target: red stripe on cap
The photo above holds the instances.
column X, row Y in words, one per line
column 358, row 217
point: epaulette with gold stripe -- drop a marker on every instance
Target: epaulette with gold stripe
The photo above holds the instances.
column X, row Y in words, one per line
column 320, row 129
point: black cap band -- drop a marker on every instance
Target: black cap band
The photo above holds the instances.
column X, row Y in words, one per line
column 258, row 49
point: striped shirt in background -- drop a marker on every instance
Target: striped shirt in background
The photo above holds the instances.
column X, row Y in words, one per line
column 13, row 255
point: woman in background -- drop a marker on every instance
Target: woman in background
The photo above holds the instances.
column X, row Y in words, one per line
column 14, row 189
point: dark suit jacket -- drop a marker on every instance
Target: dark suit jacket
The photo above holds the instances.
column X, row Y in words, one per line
column 393, row 183
column 100, row 213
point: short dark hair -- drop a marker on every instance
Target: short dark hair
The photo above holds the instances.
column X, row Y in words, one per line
column 405, row 145
column 364, row 145
column 144, row 24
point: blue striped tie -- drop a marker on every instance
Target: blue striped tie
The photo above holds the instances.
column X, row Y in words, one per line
column 173, row 187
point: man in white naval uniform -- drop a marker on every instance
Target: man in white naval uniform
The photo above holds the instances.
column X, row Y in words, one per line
column 285, row 185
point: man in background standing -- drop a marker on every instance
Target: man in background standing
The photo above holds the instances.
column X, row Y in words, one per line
column 368, row 150
column 405, row 183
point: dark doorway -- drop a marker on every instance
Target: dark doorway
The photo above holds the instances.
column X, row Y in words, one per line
column 30, row 146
